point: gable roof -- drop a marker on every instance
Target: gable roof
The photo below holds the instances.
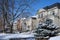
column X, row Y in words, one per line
column 53, row 5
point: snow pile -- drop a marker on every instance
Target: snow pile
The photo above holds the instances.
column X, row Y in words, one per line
column 1, row 34
column 21, row 35
column 55, row 38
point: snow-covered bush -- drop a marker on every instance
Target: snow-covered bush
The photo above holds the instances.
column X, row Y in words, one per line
column 47, row 29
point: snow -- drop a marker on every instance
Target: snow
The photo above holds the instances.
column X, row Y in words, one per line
column 34, row 16
column 55, row 38
column 2, row 34
column 21, row 35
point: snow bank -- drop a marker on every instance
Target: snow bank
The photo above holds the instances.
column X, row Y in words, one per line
column 21, row 35
column 55, row 38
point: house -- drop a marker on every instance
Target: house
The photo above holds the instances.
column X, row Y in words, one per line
column 52, row 12
column 34, row 22
column 24, row 24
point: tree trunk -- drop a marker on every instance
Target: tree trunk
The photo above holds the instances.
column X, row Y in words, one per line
column 11, row 29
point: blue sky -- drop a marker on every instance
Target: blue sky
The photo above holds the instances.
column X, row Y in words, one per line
column 42, row 3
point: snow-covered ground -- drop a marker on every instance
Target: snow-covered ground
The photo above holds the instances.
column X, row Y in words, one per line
column 55, row 38
column 21, row 35
column 29, row 36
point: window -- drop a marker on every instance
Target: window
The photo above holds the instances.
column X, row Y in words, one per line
column 40, row 16
column 53, row 13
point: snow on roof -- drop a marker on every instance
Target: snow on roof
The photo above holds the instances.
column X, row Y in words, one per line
column 23, row 18
column 34, row 16
column 55, row 38
column 41, row 10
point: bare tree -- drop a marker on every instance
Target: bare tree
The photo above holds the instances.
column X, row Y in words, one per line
column 13, row 9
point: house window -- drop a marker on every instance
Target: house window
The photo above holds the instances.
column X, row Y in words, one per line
column 40, row 16
column 53, row 13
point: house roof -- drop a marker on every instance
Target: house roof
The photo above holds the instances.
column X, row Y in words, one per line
column 53, row 5
column 41, row 10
